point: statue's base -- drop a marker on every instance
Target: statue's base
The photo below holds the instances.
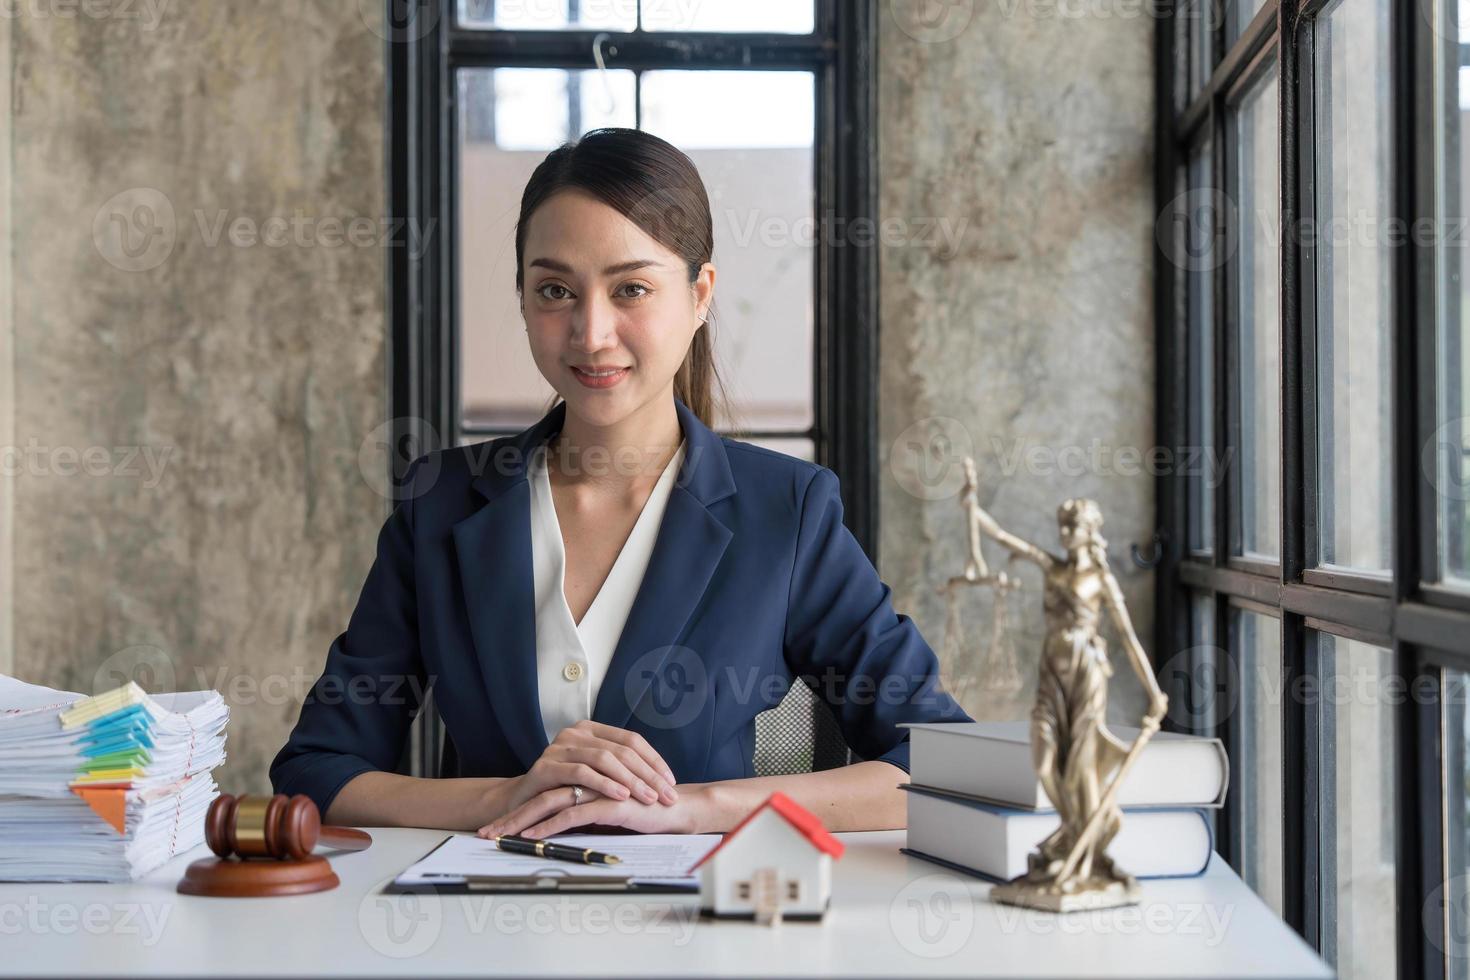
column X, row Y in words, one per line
column 1047, row 898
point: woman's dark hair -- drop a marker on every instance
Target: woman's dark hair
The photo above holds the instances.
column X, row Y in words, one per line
column 656, row 186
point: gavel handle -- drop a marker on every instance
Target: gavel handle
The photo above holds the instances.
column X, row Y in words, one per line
column 345, row 838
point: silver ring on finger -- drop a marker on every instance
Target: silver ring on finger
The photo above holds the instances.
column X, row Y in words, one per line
column 576, row 795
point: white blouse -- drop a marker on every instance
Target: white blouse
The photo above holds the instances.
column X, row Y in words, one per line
column 572, row 658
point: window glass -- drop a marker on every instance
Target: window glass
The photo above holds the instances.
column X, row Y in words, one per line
column 1257, row 648
column 1202, row 259
column 1354, row 285
column 1258, row 333
column 1357, row 813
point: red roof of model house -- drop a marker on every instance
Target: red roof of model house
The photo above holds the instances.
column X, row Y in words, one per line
column 797, row 815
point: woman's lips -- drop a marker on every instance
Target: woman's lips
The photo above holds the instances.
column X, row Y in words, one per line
column 603, row 381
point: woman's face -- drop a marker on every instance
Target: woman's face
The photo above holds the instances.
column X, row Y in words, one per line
column 600, row 294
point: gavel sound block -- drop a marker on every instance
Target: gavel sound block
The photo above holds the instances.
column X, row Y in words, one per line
column 264, row 846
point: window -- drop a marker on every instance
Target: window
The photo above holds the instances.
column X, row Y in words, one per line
column 1313, row 309
column 774, row 102
column 1357, row 812
column 1257, row 649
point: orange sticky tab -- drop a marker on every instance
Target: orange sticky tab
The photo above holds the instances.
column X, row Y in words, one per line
column 110, row 804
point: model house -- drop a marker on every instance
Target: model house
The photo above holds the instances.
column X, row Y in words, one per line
column 776, row 863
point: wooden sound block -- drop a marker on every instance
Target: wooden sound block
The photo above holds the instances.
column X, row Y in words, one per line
column 258, row 877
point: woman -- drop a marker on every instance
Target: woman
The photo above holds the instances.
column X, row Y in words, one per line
column 604, row 602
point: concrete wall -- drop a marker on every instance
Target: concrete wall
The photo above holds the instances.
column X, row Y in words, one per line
column 1034, row 335
column 189, row 406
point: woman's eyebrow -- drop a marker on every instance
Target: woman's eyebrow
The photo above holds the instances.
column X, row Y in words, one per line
column 612, row 270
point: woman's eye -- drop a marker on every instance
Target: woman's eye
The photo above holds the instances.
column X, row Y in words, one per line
column 642, row 290
column 562, row 294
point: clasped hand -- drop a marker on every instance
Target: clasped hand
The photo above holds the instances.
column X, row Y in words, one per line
column 625, row 783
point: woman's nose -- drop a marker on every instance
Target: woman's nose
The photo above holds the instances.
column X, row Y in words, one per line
column 594, row 326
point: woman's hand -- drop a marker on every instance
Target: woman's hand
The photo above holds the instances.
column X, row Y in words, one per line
column 612, row 762
column 556, row 811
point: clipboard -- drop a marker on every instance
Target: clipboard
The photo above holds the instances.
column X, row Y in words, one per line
column 559, row 877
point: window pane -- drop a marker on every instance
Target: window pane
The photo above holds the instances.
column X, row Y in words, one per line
column 1202, row 225
column 509, row 118
column 1258, row 651
column 1354, row 279
column 1358, row 817
column 1454, row 931
column 550, row 15
column 777, row 16
column 1238, row 16
column 1447, row 456
column 751, row 136
column 1258, row 273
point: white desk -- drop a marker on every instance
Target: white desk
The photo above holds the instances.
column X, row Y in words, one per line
column 891, row 915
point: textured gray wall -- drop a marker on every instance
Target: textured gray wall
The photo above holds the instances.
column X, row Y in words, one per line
column 191, row 510
column 1033, row 130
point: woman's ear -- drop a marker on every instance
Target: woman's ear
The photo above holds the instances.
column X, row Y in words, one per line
column 704, row 289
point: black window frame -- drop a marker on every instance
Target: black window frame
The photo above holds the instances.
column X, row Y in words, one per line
column 425, row 46
column 1423, row 624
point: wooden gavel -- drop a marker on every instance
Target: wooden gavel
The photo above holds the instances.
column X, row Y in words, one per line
column 264, row 846
column 280, row 827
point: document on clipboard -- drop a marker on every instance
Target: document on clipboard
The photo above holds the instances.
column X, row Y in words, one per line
column 650, row 863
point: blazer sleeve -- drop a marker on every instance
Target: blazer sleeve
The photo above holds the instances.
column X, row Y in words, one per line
column 870, row 664
column 356, row 716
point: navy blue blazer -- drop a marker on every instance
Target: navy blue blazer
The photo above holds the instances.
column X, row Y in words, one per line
column 753, row 581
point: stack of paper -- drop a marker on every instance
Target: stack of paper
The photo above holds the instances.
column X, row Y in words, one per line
column 103, row 788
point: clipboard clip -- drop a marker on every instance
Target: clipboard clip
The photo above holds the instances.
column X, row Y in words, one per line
column 544, row 882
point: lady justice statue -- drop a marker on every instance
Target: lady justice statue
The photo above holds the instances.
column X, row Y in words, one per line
column 1079, row 761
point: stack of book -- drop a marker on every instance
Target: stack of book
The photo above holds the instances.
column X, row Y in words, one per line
column 975, row 803
column 103, row 788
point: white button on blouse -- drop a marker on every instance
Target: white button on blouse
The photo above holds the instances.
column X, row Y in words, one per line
column 572, row 658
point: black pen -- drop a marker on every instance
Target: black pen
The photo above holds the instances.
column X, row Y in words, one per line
column 551, row 849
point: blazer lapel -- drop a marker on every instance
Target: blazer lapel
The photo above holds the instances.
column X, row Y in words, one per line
column 493, row 549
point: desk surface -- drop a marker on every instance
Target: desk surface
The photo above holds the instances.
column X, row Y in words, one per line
column 891, row 915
